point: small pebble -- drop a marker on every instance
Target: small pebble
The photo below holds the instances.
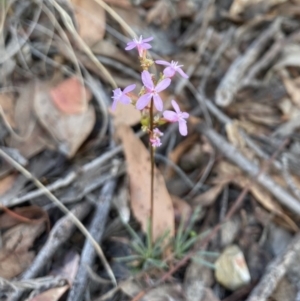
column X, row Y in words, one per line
column 231, row 268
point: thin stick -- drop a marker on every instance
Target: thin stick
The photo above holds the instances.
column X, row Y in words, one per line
column 152, row 176
column 64, row 209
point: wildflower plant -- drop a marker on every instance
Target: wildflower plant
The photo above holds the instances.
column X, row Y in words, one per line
column 146, row 254
column 150, row 102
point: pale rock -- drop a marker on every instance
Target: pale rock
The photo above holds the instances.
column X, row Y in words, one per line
column 231, row 268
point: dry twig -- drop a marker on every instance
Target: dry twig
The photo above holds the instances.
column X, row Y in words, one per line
column 232, row 154
column 88, row 253
column 275, row 271
column 63, row 208
column 231, row 82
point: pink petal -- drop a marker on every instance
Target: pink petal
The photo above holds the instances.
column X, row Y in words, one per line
column 180, row 71
column 131, row 46
column 147, row 80
column 175, row 106
column 159, row 62
column 143, row 101
column 169, row 71
column 114, row 104
column 185, row 115
column 132, row 43
column 125, row 99
column 158, row 103
column 165, row 83
column 129, row 88
column 147, row 40
column 182, row 127
column 155, row 142
column 170, row 116
column 157, row 132
column 117, row 91
column 146, row 46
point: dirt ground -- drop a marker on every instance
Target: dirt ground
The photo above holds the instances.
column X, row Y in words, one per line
column 79, row 220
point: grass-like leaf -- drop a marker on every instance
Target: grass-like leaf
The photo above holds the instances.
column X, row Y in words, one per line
column 147, row 254
column 204, row 262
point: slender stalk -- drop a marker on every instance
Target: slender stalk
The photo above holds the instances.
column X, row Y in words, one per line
column 152, row 177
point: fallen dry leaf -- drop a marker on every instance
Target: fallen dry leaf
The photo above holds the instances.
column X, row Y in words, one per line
column 139, row 171
column 126, row 114
column 32, row 138
column 21, row 237
column 15, row 256
column 70, row 96
column 53, row 294
column 182, row 209
column 69, row 131
column 37, row 141
column 13, row 217
column 180, row 149
column 12, row 264
column 90, row 17
column 208, row 197
column 7, row 183
column 268, row 202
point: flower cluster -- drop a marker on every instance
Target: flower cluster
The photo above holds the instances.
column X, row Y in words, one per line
column 149, row 96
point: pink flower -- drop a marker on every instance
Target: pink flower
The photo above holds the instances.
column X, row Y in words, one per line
column 155, row 140
column 152, row 91
column 141, row 44
column 121, row 96
column 172, row 68
column 157, row 132
column 177, row 116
